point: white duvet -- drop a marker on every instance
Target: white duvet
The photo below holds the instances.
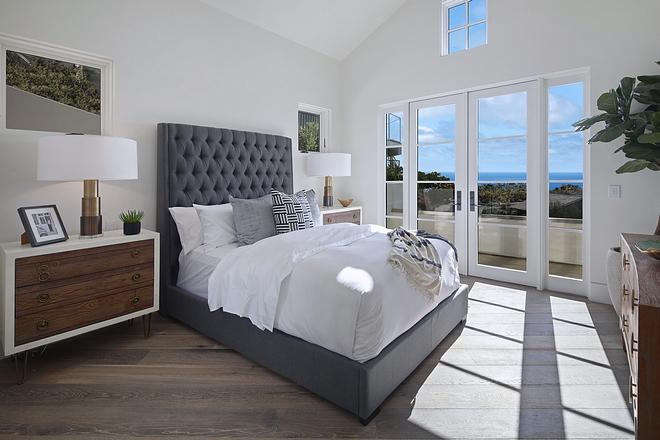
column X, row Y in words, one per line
column 329, row 285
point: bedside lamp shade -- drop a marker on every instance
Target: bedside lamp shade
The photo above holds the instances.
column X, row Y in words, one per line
column 75, row 157
column 328, row 165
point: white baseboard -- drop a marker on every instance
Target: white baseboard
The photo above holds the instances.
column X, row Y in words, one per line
column 599, row 293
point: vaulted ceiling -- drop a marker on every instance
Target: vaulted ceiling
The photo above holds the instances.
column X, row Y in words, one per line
column 332, row 27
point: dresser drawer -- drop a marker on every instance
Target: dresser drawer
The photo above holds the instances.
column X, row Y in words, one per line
column 57, row 293
column 45, row 323
column 63, row 265
column 352, row 216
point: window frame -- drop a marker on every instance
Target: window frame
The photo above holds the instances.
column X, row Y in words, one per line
column 325, row 115
column 444, row 25
column 47, row 50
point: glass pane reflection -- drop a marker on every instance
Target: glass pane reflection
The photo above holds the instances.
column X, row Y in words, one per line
column 445, row 229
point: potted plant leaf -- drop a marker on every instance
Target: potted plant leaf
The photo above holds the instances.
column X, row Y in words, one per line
column 131, row 220
column 641, row 129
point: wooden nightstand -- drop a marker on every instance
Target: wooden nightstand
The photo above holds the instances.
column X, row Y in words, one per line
column 337, row 214
column 53, row 292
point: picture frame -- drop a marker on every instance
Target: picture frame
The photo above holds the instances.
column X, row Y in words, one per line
column 42, row 224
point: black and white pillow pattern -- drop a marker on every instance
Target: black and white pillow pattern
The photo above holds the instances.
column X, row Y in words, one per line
column 290, row 212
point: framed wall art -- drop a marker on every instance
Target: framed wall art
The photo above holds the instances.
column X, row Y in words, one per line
column 43, row 224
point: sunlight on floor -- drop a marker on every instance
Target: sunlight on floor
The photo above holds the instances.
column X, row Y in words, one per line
column 528, row 364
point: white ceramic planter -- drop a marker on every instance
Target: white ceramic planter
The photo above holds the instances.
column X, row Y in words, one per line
column 613, row 276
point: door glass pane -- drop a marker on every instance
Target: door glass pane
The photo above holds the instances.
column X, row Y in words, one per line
column 502, row 181
column 394, row 199
column 504, row 115
column 445, row 229
column 435, row 201
column 503, row 247
column 436, row 124
column 393, row 222
column 394, row 164
column 565, row 188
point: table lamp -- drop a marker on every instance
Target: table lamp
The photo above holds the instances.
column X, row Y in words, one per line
column 90, row 158
column 328, row 165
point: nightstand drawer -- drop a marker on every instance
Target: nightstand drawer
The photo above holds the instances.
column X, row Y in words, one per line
column 58, row 320
column 59, row 266
column 351, row 216
column 48, row 295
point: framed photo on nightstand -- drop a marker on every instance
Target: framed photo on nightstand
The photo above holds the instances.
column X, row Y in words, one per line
column 42, row 224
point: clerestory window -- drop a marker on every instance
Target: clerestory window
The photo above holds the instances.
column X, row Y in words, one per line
column 464, row 25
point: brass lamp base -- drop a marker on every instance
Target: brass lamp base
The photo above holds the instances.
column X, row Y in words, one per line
column 91, row 221
column 327, row 192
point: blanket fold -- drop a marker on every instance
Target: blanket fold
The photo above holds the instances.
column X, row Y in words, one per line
column 418, row 259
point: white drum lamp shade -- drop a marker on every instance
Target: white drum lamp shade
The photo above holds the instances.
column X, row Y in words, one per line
column 328, row 165
column 90, row 158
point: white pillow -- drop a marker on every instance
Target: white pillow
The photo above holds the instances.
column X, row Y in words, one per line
column 189, row 227
column 217, row 224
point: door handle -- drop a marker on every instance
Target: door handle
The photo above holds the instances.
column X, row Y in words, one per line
column 458, row 203
column 472, row 204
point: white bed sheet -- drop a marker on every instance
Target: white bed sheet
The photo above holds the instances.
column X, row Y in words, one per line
column 362, row 304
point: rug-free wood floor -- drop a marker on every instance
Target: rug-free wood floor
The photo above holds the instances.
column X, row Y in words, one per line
column 526, row 365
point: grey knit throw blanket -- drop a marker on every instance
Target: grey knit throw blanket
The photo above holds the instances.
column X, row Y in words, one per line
column 418, row 259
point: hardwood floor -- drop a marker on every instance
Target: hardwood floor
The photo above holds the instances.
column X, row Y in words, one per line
column 527, row 364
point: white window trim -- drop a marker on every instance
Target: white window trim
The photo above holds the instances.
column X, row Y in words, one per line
column 444, row 24
column 324, row 129
column 47, row 50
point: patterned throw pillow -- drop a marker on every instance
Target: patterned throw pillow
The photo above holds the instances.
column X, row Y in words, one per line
column 290, row 212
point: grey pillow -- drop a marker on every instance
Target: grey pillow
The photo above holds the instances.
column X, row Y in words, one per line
column 253, row 219
column 313, row 206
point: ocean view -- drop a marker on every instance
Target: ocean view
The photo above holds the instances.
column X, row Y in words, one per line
column 556, row 179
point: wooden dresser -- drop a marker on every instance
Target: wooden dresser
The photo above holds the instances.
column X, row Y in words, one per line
column 640, row 328
column 57, row 291
column 351, row 214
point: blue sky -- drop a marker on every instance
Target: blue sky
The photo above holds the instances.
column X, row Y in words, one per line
column 503, row 118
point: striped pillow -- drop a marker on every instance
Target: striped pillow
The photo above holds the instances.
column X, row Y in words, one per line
column 291, row 212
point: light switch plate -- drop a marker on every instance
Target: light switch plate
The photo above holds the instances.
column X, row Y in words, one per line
column 615, row 191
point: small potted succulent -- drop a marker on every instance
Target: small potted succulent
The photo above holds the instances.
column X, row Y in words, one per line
column 131, row 220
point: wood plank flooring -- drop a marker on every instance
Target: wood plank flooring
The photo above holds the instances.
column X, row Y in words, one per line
column 526, row 365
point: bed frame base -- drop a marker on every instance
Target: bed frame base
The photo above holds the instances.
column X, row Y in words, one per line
column 357, row 387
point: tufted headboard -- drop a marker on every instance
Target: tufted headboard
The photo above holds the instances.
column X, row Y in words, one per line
column 205, row 165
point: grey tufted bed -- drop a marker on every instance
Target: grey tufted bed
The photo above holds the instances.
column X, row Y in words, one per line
column 206, row 165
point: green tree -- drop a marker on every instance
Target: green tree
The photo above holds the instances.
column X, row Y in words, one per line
column 66, row 83
column 308, row 137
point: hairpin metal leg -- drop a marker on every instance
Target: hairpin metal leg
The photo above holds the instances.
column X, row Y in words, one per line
column 130, row 322
column 146, row 325
column 20, row 378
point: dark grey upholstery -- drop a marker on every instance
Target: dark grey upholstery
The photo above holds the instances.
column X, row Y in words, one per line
column 205, row 166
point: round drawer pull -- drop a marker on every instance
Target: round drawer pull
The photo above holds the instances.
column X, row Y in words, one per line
column 135, row 301
column 43, row 297
column 135, row 253
column 42, row 325
column 44, row 276
column 43, row 268
column 137, row 277
column 330, row 220
column 355, row 215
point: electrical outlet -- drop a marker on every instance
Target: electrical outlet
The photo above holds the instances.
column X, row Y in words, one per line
column 110, row 226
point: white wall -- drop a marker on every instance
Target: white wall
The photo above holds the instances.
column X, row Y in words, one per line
column 527, row 38
column 175, row 61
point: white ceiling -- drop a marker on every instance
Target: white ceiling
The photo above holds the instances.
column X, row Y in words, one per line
column 332, row 27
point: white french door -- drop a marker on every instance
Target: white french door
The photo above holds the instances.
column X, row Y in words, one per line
column 472, row 163
column 503, row 220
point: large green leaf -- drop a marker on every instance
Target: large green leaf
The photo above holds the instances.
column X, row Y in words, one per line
column 609, row 133
column 649, row 79
column 649, row 138
column 641, row 151
column 625, row 94
column 655, row 120
column 633, row 166
column 586, row 123
column 607, row 102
